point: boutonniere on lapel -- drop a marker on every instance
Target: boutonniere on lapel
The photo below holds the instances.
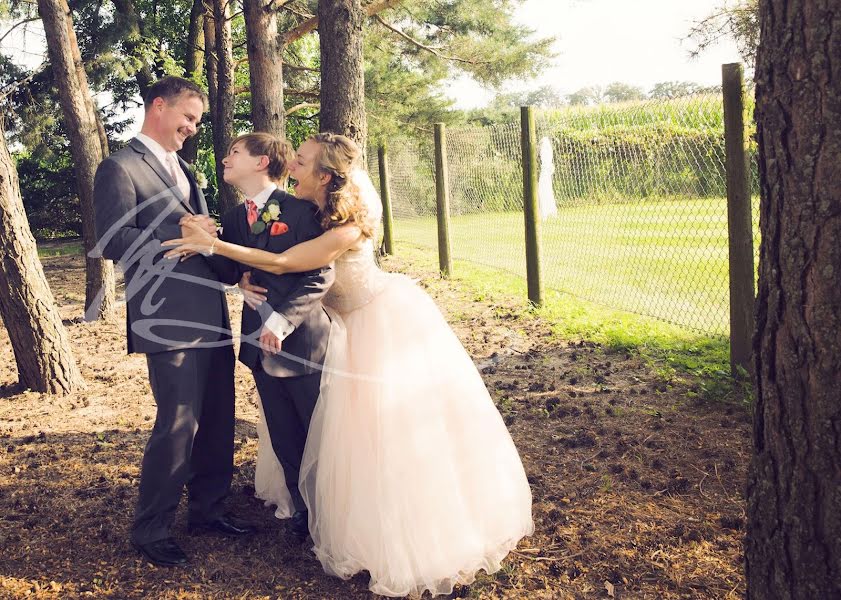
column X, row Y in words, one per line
column 269, row 219
column 200, row 177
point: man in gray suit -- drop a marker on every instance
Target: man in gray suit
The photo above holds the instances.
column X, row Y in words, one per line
column 176, row 314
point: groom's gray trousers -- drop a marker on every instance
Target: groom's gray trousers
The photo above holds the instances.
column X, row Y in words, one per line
column 192, row 442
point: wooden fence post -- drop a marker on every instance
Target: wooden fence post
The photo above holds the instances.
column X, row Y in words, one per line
column 442, row 195
column 529, row 143
column 739, row 222
column 385, row 195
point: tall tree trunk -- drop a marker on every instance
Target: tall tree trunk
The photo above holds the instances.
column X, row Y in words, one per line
column 193, row 63
column 40, row 343
column 342, row 69
column 793, row 543
column 265, row 67
column 86, row 145
column 223, row 117
column 211, row 63
column 194, row 57
column 133, row 34
column 82, row 76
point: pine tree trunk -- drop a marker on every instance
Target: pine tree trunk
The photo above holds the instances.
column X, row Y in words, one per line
column 793, row 543
column 193, row 63
column 265, row 67
column 342, row 69
column 210, row 62
column 194, row 56
column 86, row 145
column 82, row 77
column 40, row 343
column 223, row 117
column 126, row 15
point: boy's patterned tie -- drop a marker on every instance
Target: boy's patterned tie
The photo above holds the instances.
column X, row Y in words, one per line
column 251, row 215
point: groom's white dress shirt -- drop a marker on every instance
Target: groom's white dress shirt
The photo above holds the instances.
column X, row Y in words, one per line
column 169, row 160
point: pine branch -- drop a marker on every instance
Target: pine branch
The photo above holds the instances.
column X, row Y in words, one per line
column 303, row 93
column 16, row 84
column 18, row 24
column 300, row 68
column 301, row 106
column 310, row 25
column 278, row 5
column 423, row 46
column 298, row 12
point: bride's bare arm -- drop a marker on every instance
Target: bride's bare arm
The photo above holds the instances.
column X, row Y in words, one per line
column 313, row 254
column 307, row 256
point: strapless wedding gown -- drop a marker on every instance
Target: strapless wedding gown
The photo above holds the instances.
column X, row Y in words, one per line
column 409, row 471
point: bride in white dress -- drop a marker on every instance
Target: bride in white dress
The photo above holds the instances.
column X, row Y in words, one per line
column 409, row 471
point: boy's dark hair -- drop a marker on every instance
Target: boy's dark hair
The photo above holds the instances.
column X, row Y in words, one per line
column 170, row 87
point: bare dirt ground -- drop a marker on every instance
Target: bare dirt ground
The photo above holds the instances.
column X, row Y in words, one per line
column 637, row 484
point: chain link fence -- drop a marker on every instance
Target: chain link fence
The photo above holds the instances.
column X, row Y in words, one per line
column 632, row 203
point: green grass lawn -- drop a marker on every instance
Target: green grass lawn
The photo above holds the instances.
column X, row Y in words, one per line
column 670, row 349
column 50, row 248
column 666, row 259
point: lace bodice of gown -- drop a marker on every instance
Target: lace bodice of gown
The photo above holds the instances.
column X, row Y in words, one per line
column 358, row 278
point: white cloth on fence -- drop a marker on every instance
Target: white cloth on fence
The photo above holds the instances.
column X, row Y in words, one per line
column 545, row 195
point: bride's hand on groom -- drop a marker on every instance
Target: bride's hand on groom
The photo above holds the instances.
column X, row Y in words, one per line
column 197, row 235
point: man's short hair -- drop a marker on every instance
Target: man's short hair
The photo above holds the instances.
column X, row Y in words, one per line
column 170, row 88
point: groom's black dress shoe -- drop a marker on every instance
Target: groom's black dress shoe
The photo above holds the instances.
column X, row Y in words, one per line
column 163, row 553
column 225, row 525
column 299, row 523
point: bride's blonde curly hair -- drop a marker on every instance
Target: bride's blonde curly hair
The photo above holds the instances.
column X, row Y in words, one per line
column 340, row 157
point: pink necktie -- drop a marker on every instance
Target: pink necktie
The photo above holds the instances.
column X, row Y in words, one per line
column 175, row 170
column 251, row 215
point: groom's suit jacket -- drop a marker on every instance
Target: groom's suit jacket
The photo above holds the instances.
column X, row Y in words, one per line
column 138, row 205
column 295, row 296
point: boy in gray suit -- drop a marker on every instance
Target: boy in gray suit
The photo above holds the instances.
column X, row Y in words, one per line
column 176, row 314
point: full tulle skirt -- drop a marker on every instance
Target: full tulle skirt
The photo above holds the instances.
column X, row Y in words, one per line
column 409, row 472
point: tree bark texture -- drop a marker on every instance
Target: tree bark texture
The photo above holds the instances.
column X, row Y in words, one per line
column 342, row 69
column 793, row 544
column 193, row 66
column 265, row 67
column 223, row 117
column 84, row 130
column 42, row 349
